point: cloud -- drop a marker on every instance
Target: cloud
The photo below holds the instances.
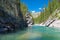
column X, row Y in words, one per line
column 40, row 8
column 33, row 11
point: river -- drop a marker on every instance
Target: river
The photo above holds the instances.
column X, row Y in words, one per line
column 34, row 33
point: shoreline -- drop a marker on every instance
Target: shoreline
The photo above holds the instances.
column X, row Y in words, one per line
column 54, row 24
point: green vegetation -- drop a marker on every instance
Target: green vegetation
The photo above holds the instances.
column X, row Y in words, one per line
column 52, row 6
column 24, row 8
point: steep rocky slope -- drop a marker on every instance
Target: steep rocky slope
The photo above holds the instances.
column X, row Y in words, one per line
column 11, row 17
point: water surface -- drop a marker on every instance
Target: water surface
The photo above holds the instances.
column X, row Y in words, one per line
column 34, row 33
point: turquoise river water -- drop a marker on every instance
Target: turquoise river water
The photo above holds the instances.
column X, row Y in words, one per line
column 34, row 33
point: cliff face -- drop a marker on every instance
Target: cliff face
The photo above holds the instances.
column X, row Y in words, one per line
column 10, row 14
column 11, row 6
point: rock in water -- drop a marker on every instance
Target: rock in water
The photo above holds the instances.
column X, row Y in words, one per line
column 11, row 16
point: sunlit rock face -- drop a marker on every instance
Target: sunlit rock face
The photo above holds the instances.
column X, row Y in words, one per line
column 29, row 19
column 55, row 24
column 11, row 16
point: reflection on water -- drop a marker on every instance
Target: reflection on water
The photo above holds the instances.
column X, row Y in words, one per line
column 34, row 33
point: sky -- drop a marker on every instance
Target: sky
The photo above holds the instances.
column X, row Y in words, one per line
column 35, row 5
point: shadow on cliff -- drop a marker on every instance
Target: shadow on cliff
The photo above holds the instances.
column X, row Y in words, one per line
column 11, row 24
column 23, row 22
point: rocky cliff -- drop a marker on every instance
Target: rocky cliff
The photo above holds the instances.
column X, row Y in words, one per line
column 11, row 17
